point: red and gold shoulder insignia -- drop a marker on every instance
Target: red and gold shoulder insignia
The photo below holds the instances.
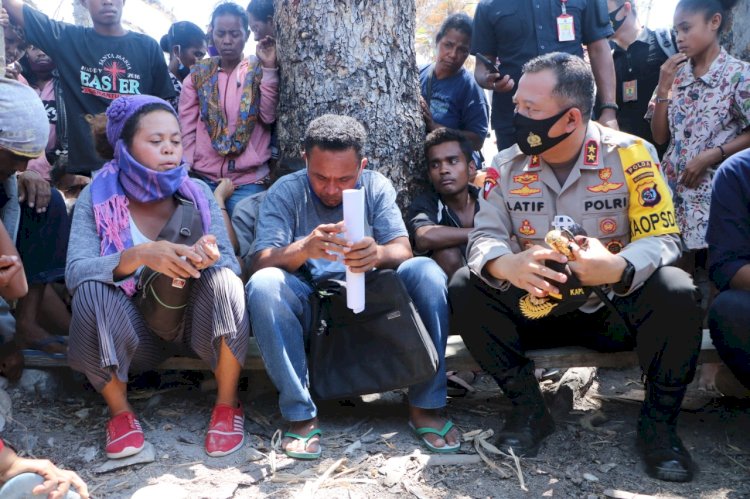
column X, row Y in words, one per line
column 526, row 179
column 604, row 175
column 490, row 182
column 591, row 153
column 535, row 162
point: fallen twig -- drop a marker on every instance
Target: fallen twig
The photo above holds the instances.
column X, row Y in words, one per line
column 413, row 491
column 726, row 455
column 312, row 487
column 489, row 462
column 448, row 459
column 621, row 494
column 517, row 462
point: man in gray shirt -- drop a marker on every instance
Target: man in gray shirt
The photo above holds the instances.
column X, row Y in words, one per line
column 300, row 233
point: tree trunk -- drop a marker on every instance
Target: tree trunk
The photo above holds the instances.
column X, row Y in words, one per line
column 81, row 15
column 737, row 37
column 2, row 52
column 354, row 57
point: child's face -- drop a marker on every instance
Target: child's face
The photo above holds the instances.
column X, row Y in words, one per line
column 260, row 28
column 105, row 12
column 157, row 143
column 14, row 46
column 694, row 32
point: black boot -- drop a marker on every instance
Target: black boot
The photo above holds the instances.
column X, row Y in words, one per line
column 661, row 449
column 530, row 421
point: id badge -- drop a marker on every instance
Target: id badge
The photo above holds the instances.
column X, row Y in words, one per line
column 566, row 31
column 630, row 91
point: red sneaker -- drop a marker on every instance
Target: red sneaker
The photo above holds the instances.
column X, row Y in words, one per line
column 226, row 431
column 124, row 436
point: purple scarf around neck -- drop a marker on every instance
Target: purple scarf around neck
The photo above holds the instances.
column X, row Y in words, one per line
column 124, row 178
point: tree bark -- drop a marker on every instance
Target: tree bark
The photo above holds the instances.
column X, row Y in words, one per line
column 81, row 15
column 354, row 57
column 736, row 38
column 2, row 52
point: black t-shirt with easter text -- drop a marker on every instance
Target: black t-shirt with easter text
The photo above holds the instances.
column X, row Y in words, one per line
column 94, row 70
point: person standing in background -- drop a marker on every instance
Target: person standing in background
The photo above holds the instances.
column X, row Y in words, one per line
column 185, row 43
column 516, row 31
column 638, row 53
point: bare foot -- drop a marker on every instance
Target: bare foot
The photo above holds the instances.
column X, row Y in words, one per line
column 728, row 385
column 302, row 428
column 707, row 376
column 431, row 418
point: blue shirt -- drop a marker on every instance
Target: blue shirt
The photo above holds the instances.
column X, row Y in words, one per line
column 291, row 211
column 455, row 102
column 516, row 31
column 728, row 234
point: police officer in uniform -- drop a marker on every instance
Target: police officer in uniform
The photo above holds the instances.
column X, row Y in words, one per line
column 569, row 172
column 512, row 32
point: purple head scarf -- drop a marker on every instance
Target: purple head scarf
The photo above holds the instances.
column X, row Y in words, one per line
column 124, row 177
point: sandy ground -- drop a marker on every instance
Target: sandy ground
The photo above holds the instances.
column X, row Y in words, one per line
column 369, row 450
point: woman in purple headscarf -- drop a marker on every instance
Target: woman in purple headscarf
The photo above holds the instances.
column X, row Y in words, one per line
column 117, row 238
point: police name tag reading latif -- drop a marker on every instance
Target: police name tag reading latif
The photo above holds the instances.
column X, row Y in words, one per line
column 566, row 31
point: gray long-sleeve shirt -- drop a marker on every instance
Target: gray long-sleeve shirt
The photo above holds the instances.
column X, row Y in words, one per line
column 85, row 262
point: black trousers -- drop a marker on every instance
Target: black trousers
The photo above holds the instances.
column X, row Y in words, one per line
column 664, row 319
column 729, row 322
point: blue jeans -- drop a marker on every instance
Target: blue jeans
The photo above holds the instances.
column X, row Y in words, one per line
column 280, row 314
column 20, row 487
column 240, row 193
column 729, row 322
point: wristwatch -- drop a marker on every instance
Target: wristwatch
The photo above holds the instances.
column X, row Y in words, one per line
column 623, row 285
column 609, row 105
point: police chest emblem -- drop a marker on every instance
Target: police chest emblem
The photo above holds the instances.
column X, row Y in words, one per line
column 615, row 246
column 534, row 140
column 490, row 182
column 608, row 226
column 604, row 175
column 526, row 229
column 648, row 194
column 526, row 179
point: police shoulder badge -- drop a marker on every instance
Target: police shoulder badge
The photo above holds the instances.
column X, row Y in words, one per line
column 490, row 182
column 648, row 194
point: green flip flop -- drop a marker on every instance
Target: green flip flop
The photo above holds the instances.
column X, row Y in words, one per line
column 305, row 440
column 446, row 449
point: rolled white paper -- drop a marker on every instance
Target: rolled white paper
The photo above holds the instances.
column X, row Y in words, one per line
column 354, row 221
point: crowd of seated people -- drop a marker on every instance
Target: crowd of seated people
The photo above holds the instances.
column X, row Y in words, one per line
column 122, row 193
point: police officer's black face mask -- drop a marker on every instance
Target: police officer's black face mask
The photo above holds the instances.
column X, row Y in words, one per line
column 532, row 135
column 615, row 23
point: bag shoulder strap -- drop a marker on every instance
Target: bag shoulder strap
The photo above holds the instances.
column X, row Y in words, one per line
column 184, row 226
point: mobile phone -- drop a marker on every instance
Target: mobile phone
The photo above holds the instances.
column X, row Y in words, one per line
column 488, row 63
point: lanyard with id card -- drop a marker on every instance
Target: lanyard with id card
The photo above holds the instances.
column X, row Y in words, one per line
column 566, row 31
